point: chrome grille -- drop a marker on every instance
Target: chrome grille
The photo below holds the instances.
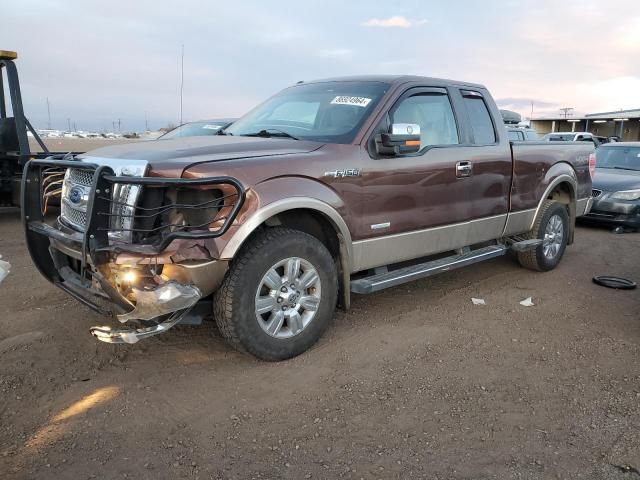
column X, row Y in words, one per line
column 596, row 193
column 75, row 217
column 80, row 177
column 77, row 190
column 73, row 211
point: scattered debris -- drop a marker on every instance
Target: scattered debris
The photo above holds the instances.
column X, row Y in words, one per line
column 614, row 282
column 5, row 268
column 626, row 468
column 478, row 301
column 527, row 302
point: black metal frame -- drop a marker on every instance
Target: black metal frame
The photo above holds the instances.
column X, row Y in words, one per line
column 11, row 163
column 22, row 123
column 93, row 242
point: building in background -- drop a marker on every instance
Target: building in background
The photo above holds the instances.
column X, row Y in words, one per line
column 622, row 123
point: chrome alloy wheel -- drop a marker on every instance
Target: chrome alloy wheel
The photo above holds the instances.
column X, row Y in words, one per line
column 288, row 297
column 553, row 237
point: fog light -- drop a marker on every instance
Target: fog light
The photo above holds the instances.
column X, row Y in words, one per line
column 130, row 276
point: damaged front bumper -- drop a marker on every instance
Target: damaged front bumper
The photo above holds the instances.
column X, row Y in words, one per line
column 156, row 284
column 170, row 298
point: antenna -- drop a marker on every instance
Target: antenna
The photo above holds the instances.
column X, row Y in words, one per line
column 181, row 81
column 48, row 115
column 531, row 117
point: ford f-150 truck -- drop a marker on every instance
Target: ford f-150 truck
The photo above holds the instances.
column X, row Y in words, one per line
column 327, row 188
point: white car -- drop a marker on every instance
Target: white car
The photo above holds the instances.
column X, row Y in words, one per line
column 574, row 137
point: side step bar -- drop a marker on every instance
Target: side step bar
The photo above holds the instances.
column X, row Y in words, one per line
column 384, row 280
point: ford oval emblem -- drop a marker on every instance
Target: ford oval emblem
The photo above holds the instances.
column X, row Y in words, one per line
column 75, row 195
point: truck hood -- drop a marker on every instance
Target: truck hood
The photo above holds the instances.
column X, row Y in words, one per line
column 181, row 153
column 610, row 180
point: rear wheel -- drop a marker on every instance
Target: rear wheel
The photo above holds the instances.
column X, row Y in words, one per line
column 552, row 227
column 278, row 296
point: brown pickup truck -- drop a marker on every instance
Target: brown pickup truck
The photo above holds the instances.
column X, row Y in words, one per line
column 329, row 187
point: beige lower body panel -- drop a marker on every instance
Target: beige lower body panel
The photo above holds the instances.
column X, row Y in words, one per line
column 396, row 248
column 520, row 222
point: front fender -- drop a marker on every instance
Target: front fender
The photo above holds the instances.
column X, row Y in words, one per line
column 292, row 193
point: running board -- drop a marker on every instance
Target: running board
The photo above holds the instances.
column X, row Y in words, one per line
column 384, row 280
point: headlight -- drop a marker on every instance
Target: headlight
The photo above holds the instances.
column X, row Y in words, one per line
column 626, row 195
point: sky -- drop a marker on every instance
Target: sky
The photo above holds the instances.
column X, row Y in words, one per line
column 98, row 62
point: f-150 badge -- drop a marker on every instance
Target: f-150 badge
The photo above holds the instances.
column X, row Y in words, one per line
column 345, row 172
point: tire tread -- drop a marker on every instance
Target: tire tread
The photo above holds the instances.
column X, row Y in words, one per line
column 529, row 258
column 223, row 299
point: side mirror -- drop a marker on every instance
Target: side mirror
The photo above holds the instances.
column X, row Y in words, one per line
column 403, row 139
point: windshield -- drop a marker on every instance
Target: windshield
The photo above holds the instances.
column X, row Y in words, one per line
column 624, row 158
column 559, row 138
column 331, row 112
column 195, row 129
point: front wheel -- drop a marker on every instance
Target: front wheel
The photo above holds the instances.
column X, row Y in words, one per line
column 278, row 296
column 552, row 227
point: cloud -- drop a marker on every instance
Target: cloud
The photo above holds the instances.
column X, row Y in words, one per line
column 610, row 94
column 336, row 53
column 544, row 56
column 396, row 21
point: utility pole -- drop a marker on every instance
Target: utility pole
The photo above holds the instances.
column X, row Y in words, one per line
column 146, row 122
column 75, row 129
column 68, row 124
column 48, row 115
column 181, row 81
column 118, row 125
column 566, row 112
column 531, row 117
column 113, row 125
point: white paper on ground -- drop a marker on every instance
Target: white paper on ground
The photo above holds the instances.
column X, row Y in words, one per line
column 527, row 302
column 478, row 301
column 5, row 268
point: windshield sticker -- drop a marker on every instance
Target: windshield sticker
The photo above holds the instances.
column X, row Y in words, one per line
column 211, row 127
column 347, row 100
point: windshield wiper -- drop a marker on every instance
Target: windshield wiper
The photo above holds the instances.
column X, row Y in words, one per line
column 267, row 133
column 222, row 132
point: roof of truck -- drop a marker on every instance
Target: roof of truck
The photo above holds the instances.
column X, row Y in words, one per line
column 394, row 79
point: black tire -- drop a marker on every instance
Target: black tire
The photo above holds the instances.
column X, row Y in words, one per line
column 535, row 259
column 234, row 303
column 614, row 282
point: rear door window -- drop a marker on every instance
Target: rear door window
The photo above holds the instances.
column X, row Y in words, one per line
column 479, row 118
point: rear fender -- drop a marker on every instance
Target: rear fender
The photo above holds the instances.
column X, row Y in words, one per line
column 562, row 185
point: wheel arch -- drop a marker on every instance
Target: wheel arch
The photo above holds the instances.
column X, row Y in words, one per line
column 311, row 216
column 562, row 188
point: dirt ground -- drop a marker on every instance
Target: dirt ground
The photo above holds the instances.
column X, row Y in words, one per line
column 414, row 382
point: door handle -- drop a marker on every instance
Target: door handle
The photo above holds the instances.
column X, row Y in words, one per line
column 464, row 169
